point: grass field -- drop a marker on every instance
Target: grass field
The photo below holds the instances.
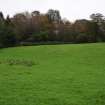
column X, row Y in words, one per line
column 53, row 75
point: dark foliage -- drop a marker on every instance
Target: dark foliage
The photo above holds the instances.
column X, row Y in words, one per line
column 50, row 27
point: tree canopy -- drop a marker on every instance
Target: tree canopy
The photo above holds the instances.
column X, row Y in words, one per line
column 36, row 27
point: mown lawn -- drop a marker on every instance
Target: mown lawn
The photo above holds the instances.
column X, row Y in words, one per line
column 53, row 75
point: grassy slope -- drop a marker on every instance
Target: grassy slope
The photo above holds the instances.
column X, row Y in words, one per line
column 63, row 75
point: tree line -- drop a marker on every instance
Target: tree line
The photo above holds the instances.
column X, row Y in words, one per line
column 35, row 27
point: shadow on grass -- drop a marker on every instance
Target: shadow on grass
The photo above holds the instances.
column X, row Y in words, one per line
column 97, row 99
column 22, row 62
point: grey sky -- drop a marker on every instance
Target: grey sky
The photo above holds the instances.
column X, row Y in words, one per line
column 71, row 9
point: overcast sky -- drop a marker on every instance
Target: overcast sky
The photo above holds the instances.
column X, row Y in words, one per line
column 71, row 9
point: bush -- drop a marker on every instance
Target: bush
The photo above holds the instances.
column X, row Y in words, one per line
column 7, row 36
column 81, row 38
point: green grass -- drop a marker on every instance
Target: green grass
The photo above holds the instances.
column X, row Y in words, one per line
column 53, row 75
